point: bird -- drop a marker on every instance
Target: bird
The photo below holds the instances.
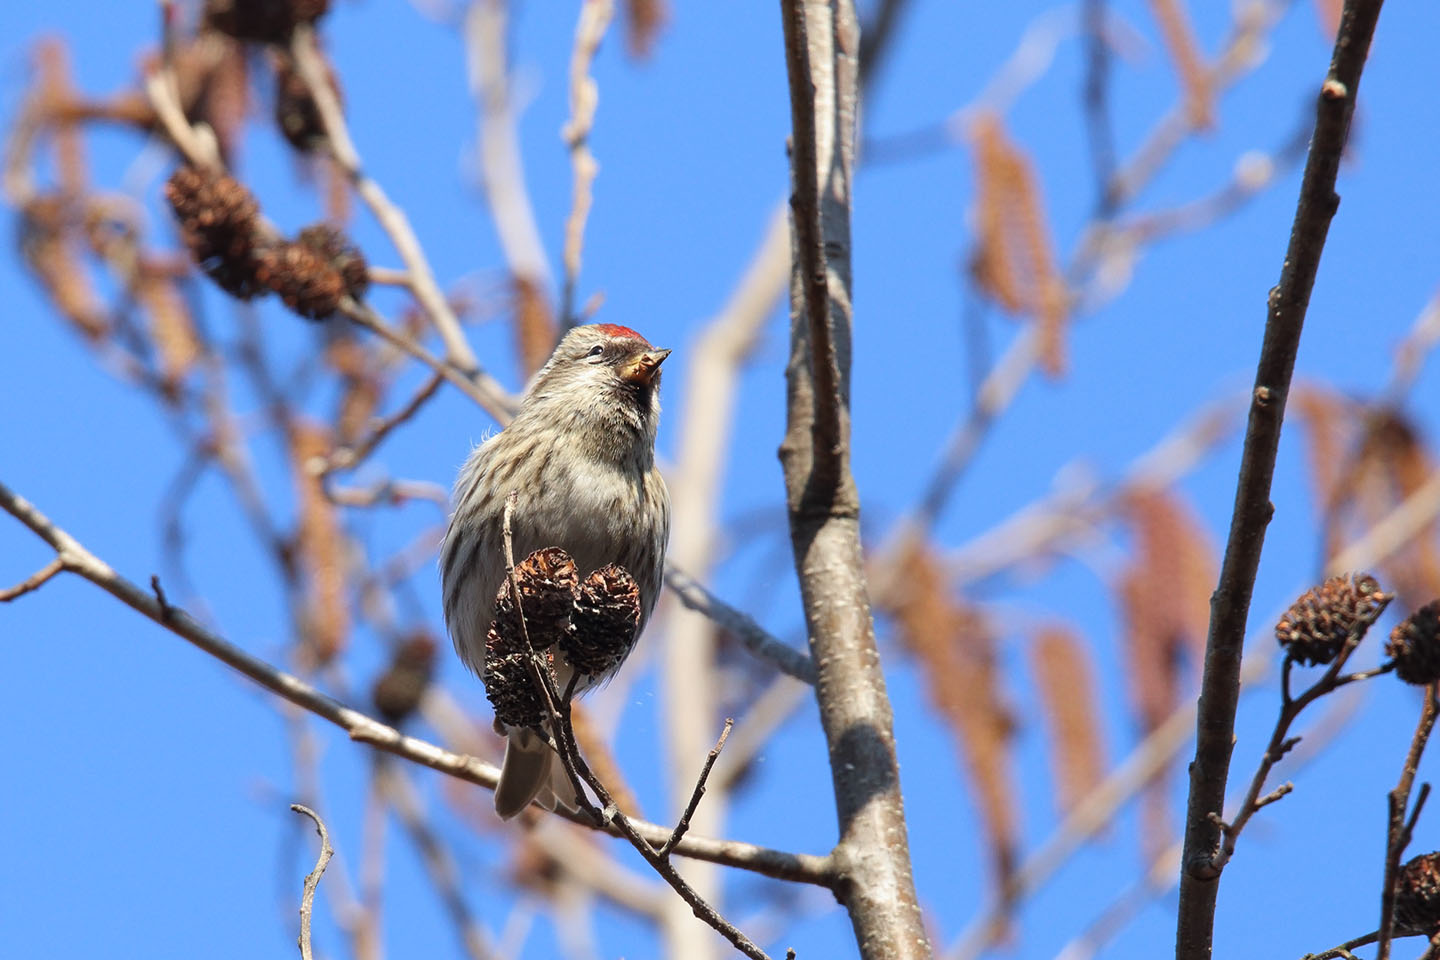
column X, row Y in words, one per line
column 579, row 456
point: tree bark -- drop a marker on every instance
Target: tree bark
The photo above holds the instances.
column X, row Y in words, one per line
column 872, row 858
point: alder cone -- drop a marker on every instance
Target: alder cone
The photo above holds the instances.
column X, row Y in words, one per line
column 262, row 21
column 304, row 279
column 604, row 621
column 547, row 580
column 341, row 254
column 1317, row 626
column 510, row 689
column 1417, row 896
column 1415, row 646
column 398, row 691
column 218, row 220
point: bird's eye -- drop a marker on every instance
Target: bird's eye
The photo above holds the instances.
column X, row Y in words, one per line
column 596, row 350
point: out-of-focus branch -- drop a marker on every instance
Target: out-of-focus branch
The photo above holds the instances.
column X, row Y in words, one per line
column 311, row 67
column 344, row 458
column 480, row 387
column 687, row 657
column 872, row 856
column 782, row 865
column 1220, row 682
column 402, row 797
column 755, row 638
column 595, row 16
column 312, row 879
column 1098, row 129
column 501, row 170
column 35, row 581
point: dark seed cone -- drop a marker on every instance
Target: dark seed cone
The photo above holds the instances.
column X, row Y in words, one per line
column 604, row 621
column 1417, row 896
column 1315, row 628
column 341, row 254
column 398, row 691
column 296, row 114
column 307, row 283
column 547, row 580
column 262, row 21
column 1415, row 646
column 218, row 219
column 508, row 685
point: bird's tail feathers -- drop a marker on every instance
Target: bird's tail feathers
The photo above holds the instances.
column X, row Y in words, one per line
column 529, row 773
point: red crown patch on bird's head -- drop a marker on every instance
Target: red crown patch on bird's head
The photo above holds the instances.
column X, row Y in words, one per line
column 615, row 330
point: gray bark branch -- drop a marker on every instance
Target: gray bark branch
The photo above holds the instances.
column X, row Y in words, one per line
column 872, row 857
column 1230, row 604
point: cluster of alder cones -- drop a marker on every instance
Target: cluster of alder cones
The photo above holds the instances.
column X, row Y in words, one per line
column 1337, row 614
column 590, row 622
column 220, row 222
column 1316, row 629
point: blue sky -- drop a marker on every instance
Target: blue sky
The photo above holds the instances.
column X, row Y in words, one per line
column 145, row 806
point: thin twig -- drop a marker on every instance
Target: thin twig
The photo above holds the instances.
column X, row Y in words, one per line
column 480, row 387
column 684, row 824
column 1399, row 826
column 541, row 675
column 35, row 581
column 312, row 879
column 344, row 458
column 563, row 741
column 1281, row 742
column 755, row 638
column 577, row 767
column 782, row 865
column 1220, row 681
column 1343, row 949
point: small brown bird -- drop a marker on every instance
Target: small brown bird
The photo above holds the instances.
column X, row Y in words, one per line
column 580, row 455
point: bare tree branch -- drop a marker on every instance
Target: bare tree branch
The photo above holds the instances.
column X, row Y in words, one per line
column 782, row 865
column 584, row 97
column 1220, row 682
column 35, row 581
column 312, row 879
column 872, row 857
column 684, row 825
column 344, row 458
column 1398, row 827
column 764, row 645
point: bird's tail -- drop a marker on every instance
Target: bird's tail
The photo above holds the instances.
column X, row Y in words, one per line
column 531, row 772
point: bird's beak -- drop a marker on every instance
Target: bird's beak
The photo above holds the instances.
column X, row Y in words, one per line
column 643, row 367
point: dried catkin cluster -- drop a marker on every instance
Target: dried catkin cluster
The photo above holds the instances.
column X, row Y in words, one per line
column 1317, row 626
column 591, row 624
